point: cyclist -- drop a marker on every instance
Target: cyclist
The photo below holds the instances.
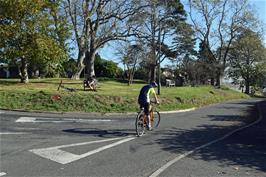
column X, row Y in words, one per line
column 144, row 99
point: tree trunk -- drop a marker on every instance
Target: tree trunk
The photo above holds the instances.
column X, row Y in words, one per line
column 218, row 81
column 130, row 77
column 218, row 78
column 23, row 71
column 247, row 84
column 247, row 79
column 152, row 73
column 90, row 57
column 212, row 81
column 81, row 66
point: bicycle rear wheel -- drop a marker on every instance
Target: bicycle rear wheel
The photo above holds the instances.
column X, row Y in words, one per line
column 140, row 127
column 156, row 119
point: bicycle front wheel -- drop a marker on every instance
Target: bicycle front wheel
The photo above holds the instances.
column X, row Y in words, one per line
column 139, row 124
column 156, row 119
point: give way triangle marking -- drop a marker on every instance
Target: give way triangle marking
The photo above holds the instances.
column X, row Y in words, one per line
column 63, row 157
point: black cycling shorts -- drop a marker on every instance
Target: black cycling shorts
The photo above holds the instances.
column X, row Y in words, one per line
column 145, row 105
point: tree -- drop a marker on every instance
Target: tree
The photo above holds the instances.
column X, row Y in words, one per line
column 184, row 40
column 105, row 68
column 247, row 58
column 26, row 31
column 155, row 24
column 131, row 55
column 206, row 62
column 70, row 67
column 216, row 23
column 96, row 23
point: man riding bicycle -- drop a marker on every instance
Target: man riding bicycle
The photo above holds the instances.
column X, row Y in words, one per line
column 144, row 100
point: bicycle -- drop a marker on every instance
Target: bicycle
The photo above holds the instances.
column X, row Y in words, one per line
column 141, row 120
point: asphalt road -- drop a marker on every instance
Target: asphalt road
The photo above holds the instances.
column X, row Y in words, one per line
column 227, row 139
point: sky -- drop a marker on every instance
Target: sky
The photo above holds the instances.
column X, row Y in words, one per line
column 108, row 52
column 260, row 7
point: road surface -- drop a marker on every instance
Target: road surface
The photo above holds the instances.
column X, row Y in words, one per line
column 227, row 139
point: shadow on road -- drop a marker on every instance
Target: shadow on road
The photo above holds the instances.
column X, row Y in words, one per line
column 101, row 133
column 246, row 148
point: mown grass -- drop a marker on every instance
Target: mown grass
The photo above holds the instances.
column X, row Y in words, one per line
column 111, row 96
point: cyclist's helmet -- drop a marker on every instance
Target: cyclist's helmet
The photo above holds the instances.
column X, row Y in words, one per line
column 154, row 84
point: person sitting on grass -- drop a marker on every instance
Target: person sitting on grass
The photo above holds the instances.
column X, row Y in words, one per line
column 92, row 84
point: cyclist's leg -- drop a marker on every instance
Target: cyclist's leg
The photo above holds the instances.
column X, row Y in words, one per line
column 147, row 113
column 141, row 107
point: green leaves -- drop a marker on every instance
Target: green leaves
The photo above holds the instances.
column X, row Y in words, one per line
column 247, row 57
column 29, row 29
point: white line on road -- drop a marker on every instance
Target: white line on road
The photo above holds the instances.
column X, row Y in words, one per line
column 178, row 111
column 2, row 173
column 168, row 164
column 12, row 133
column 56, row 120
column 63, row 157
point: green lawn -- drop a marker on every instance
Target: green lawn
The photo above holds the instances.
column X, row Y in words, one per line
column 111, row 96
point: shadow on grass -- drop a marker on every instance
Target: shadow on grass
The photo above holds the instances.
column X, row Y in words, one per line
column 246, row 148
column 102, row 133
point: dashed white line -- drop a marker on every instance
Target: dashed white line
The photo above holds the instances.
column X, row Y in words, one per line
column 168, row 164
column 56, row 120
column 2, row 173
column 63, row 157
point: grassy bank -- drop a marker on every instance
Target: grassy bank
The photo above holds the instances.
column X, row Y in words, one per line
column 111, row 96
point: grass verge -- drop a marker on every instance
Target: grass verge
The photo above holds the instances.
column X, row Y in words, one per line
column 111, row 96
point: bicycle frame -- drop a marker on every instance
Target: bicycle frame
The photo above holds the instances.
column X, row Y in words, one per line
column 141, row 120
column 151, row 111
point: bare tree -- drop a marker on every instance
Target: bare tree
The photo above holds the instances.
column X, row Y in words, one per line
column 216, row 23
column 78, row 13
column 131, row 55
column 96, row 23
column 157, row 21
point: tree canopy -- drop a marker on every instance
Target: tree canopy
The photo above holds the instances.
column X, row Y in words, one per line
column 29, row 35
column 247, row 58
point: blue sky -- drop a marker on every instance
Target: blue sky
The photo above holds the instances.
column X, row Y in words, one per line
column 108, row 52
column 260, row 5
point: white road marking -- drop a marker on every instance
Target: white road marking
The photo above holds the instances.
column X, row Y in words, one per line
column 63, row 157
column 168, row 164
column 2, row 173
column 1, row 112
column 12, row 133
column 178, row 111
column 57, row 120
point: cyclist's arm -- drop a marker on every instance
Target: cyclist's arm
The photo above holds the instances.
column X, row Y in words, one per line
column 156, row 98
column 155, row 95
